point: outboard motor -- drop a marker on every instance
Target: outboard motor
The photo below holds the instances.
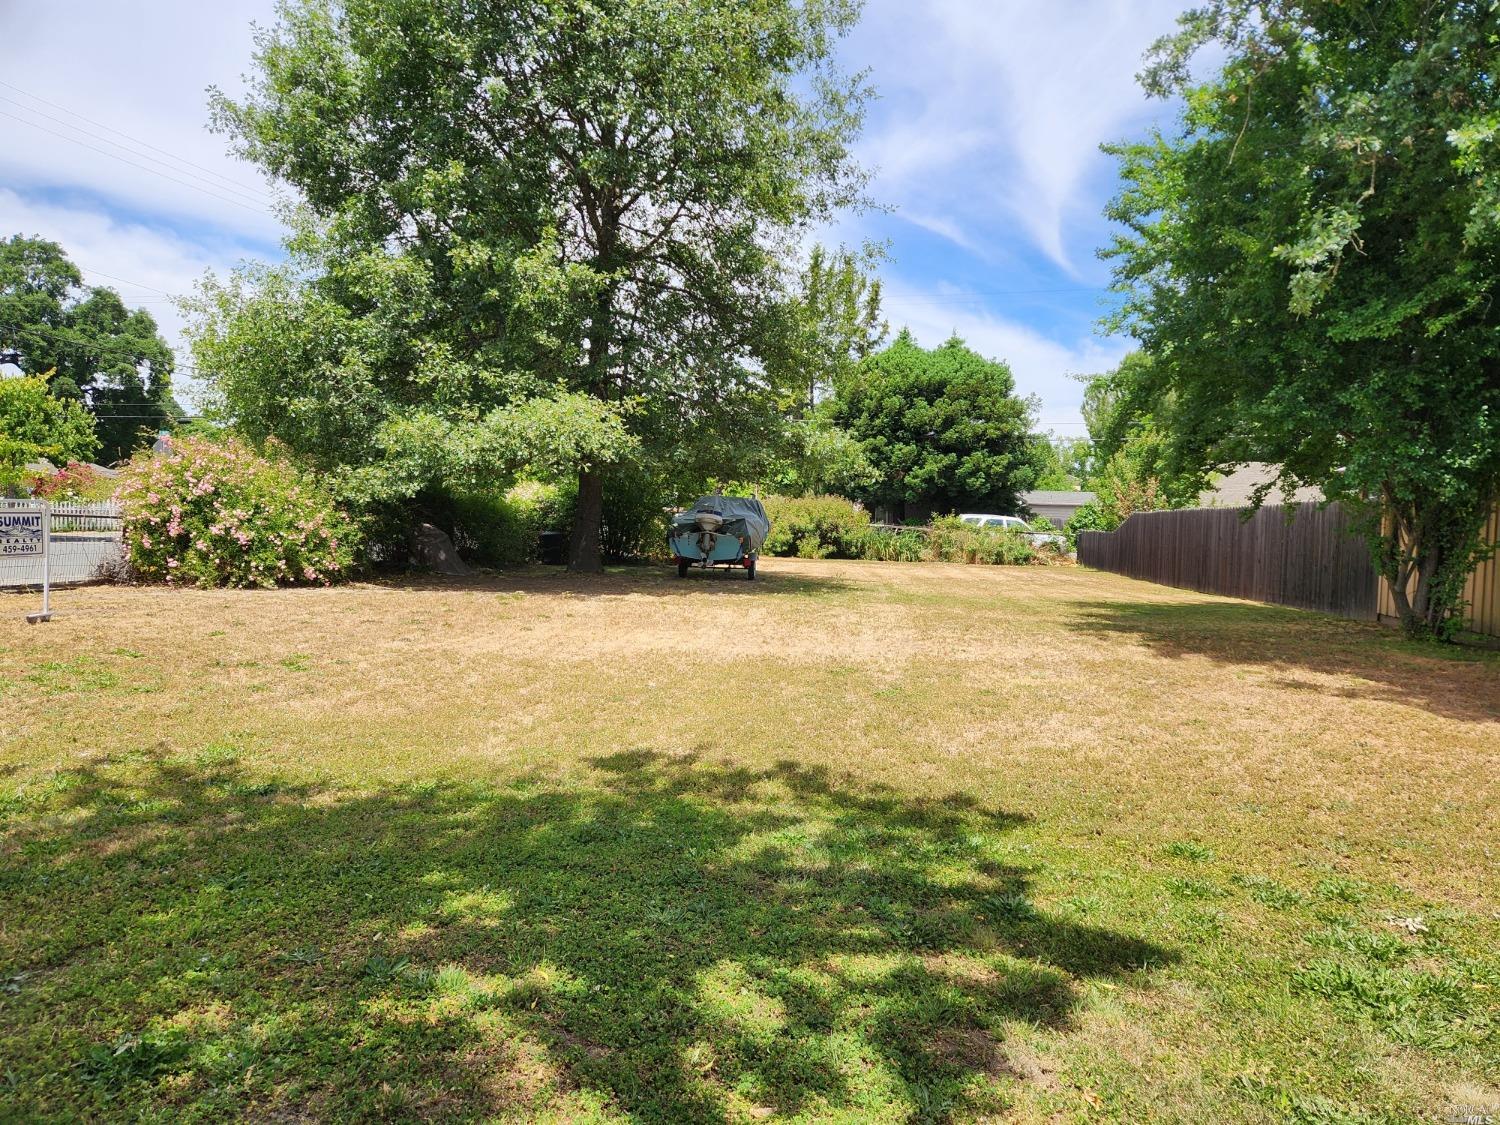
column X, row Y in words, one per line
column 708, row 525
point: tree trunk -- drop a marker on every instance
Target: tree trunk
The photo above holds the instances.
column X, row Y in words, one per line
column 584, row 556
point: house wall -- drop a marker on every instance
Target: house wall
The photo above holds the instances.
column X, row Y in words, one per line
column 1059, row 514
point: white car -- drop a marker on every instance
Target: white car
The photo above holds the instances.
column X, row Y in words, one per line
column 1014, row 523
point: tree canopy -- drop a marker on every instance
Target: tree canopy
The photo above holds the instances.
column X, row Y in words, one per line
column 517, row 203
column 942, row 428
column 1310, row 261
column 35, row 425
column 100, row 352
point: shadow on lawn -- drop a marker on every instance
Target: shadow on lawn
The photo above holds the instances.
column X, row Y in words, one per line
column 624, row 580
column 674, row 940
column 1461, row 684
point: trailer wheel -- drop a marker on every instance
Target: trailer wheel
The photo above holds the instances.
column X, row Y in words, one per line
column 750, row 571
column 682, row 568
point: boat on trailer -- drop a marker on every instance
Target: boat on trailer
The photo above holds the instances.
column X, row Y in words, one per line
column 719, row 531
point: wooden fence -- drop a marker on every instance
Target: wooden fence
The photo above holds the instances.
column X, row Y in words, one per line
column 1311, row 561
column 1303, row 555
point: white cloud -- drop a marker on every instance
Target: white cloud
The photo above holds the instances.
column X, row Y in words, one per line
column 986, row 135
column 116, row 163
column 1042, row 366
column 146, row 264
column 139, row 71
column 992, row 111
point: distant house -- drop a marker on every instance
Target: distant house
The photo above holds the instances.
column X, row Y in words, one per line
column 1237, row 489
column 1055, row 506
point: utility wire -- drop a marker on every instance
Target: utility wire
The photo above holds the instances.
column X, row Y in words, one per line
column 128, row 137
column 133, row 164
column 258, row 200
column 127, row 281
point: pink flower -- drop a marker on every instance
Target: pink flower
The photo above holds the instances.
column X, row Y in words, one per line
column 172, row 564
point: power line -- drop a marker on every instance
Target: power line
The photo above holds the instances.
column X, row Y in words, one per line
column 127, row 281
column 900, row 291
column 259, row 200
column 133, row 164
column 133, row 140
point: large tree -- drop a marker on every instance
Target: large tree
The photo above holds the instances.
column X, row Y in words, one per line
column 97, row 351
column 834, row 321
column 943, row 428
column 558, row 197
column 1311, row 262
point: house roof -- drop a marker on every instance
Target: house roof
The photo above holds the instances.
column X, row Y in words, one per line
column 1056, row 497
column 1235, row 489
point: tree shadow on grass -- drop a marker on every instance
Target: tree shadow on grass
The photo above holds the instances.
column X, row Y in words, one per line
column 622, row 581
column 1462, row 684
column 670, row 940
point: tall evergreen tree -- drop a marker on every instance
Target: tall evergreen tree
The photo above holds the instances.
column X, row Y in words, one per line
column 943, row 429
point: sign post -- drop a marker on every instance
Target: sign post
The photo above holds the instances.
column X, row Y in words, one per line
column 26, row 532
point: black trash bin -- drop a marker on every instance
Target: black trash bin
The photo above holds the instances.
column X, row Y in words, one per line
column 552, row 546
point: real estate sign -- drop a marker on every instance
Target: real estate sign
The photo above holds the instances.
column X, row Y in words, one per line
column 26, row 532
column 22, row 532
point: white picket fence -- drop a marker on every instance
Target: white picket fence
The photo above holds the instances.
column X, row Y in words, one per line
column 86, row 538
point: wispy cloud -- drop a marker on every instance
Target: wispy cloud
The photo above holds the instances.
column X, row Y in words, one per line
column 129, row 125
column 985, row 140
column 992, row 112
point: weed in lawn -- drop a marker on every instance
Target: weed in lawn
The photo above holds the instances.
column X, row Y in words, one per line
column 1351, row 939
column 79, row 675
column 1189, row 850
column 1340, row 889
column 1192, row 888
column 1268, row 892
column 132, row 1058
column 1417, row 1008
column 217, row 754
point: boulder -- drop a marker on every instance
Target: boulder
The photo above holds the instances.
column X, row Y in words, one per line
column 432, row 550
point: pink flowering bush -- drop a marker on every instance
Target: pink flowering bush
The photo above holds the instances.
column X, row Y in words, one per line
column 220, row 514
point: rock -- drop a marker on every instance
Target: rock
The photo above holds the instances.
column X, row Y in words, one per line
column 432, row 550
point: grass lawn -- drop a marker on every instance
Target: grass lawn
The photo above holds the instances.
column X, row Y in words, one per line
column 860, row 842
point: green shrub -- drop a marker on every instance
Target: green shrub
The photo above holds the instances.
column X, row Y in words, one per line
column 220, row 514
column 635, row 515
column 884, row 544
column 816, row 527
column 501, row 529
column 953, row 541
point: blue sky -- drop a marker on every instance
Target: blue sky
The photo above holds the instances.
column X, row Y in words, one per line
column 984, row 143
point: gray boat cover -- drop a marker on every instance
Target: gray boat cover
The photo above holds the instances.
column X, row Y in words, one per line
column 744, row 518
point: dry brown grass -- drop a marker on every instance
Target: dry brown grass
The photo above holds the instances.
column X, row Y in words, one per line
column 1112, row 718
column 1131, row 711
